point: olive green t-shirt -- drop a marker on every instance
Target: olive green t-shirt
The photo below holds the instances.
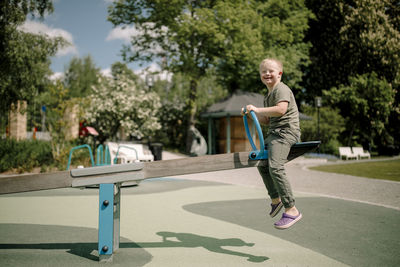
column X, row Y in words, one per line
column 290, row 119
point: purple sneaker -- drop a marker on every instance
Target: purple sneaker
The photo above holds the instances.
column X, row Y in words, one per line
column 287, row 220
column 275, row 209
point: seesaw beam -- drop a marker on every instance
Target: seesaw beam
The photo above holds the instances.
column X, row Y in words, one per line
column 138, row 171
column 119, row 173
column 201, row 164
column 35, row 182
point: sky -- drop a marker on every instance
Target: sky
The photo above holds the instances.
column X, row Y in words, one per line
column 84, row 24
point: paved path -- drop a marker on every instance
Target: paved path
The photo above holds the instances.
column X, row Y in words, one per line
column 209, row 219
column 372, row 191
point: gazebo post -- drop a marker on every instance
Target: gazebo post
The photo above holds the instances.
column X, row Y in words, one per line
column 228, row 133
column 209, row 152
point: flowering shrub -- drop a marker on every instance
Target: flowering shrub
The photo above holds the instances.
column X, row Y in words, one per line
column 118, row 103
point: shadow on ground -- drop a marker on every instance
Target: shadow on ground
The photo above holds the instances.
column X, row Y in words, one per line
column 50, row 245
column 354, row 233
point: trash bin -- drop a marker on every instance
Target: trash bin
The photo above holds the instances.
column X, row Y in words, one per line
column 156, row 150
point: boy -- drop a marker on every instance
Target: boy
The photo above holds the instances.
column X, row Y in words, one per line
column 281, row 113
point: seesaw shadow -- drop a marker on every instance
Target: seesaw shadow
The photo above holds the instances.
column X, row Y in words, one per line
column 45, row 237
column 212, row 244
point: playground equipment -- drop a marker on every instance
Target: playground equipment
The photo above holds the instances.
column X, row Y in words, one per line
column 80, row 147
column 110, row 177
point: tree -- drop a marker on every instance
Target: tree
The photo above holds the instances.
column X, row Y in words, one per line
column 192, row 37
column 367, row 101
column 117, row 102
column 24, row 57
column 169, row 31
column 254, row 30
column 331, row 126
column 355, row 40
column 328, row 61
column 119, row 68
column 80, row 76
column 58, row 104
column 171, row 115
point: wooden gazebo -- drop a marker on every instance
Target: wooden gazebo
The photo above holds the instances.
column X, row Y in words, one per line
column 224, row 117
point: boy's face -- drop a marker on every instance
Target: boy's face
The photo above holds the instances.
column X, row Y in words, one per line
column 270, row 74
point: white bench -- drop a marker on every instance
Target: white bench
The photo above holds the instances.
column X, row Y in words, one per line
column 129, row 153
column 360, row 153
column 345, row 151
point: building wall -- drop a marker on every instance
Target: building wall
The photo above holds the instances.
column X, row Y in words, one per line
column 239, row 140
column 18, row 120
column 72, row 120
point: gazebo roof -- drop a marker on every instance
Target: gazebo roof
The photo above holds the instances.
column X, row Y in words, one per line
column 232, row 106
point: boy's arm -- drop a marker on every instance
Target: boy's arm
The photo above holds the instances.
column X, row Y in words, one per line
column 275, row 111
column 262, row 119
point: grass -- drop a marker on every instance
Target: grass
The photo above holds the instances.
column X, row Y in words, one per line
column 385, row 170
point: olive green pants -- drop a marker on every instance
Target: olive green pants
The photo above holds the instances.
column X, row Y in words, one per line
column 274, row 176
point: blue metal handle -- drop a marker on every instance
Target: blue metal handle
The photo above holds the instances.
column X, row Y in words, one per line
column 79, row 147
column 255, row 154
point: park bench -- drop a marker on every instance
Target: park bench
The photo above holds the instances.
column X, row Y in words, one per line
column 360, row 153
column 128, row 153
column 345, row 152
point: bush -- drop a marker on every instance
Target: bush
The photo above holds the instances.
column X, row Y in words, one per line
column 24, row 155
column 330, row 127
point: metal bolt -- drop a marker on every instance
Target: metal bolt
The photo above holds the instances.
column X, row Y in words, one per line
column 106, row 202
column 105, row 249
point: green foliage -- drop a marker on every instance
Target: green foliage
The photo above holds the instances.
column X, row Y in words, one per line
column 80, row 76
column 371, row 39
column 58, row 103
column 330, row 127
column 329, row 62
column 357, row 40
column 177, row 90
column 24, row 57
column 351, row 38
column 232, row 36
column 256, row 30
column 118, row 69
column 24, row 155
column 366, row 102
column 173, row 125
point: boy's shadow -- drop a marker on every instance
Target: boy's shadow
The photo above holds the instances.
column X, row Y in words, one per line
column 211, row 244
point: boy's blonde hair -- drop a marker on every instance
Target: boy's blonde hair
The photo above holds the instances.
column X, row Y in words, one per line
column 278, row 62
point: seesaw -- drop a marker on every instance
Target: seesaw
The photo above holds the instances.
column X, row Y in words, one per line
column 110, row 178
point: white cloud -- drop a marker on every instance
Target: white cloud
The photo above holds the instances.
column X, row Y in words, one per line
column 124, row 34
column 41, row 28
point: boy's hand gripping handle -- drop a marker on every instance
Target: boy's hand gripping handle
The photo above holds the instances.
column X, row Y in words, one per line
column 255, row 154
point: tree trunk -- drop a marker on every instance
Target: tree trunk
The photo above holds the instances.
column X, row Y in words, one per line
column 191, row 112
column 350, row 140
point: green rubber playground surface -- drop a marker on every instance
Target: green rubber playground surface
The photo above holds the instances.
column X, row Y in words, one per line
column 174, row 222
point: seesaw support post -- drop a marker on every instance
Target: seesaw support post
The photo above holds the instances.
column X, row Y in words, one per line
column 109, row 220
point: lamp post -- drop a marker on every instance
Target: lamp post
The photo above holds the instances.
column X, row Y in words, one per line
column 318, row 103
